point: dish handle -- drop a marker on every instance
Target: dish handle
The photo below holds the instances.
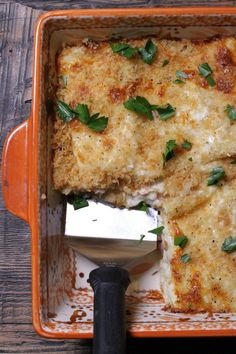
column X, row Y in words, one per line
column 15, row 165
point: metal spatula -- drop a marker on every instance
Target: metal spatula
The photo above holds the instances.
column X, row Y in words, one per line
column 112, row 238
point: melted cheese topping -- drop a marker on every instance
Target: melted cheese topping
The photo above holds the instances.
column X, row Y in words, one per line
column 207, row 282
column 129, row 152
column 124, row 164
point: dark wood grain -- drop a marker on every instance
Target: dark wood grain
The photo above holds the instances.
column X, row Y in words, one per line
column 17, row 22
column 16, row 332
column 55, row 4
column 69, row 4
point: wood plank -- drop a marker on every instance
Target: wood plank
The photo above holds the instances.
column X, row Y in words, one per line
column 15, row 271
column 70, row 4
column 21, row 338
column 16, row 33
column 16, row 30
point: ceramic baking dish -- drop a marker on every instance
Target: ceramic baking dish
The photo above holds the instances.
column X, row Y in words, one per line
column 62, row 299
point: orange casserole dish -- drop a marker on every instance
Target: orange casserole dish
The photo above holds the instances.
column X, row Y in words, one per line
column 62, row 300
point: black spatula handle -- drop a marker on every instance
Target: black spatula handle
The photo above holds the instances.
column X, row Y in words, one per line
column 109, row 284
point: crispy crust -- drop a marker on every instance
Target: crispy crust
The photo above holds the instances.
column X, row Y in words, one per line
column 124, row 164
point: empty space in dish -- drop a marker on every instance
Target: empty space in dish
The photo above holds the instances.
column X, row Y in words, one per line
column 66, row 298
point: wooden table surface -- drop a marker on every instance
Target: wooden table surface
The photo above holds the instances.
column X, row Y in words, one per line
column 17, row 20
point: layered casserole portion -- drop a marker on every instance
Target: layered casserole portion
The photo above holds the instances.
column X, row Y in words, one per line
column 154, row 121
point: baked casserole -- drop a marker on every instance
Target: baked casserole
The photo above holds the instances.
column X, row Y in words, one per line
column 153, row 121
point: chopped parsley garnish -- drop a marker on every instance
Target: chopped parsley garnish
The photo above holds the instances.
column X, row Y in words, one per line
column 141, row 238
column 165, row 112
column 190, row 158
column 65, row 112
column 165, row 62
column 233, row 162
column 181, row 74
column 147, row 54
column 186, row 145
column 231, row 112
column 124, row 49
column 216, row 175
column 141, row 106
column 211, row 81
column 98, row 124
column 157, row 231
column 77, row 201
column 169, row 152
column 180, row 241
column 81, row 112
column 185, row 258
column 178, row 82
column 229, row 245
column 206, row 71
column 142, row 206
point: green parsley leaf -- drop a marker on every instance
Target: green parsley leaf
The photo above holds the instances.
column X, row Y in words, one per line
column 141, row 106
column 233, row 162
column 190, row 158
column 229, row 245
column 141, row 238
column 231, row 111
column 83, row 112
column 165, row 112
column 94, row 116
column 124, row 49
column 65, row 112
column 77, row 201
column 186, row 145
column 169, row 153
column 205, row 69
column 185, row 258
column 181, row 74
column 211, row 81
column 118, row 47
column 148, row 53
column 179, row 82
column 142, row 206
column 165, row 62
column 144, row 101
column 157, row 231
column 180, row 241
column 129, row 52
column 216, row 175
column 99, row 124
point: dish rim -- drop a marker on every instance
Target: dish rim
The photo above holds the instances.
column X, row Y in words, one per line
column 33, row 163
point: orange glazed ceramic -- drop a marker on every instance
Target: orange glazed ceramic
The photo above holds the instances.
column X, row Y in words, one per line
column 62, row 300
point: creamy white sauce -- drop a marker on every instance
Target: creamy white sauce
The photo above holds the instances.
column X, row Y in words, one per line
column 148, row 194
column 167, row 285
column 200, row 114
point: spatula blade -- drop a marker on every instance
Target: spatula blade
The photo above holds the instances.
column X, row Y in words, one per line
column 111, row 235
